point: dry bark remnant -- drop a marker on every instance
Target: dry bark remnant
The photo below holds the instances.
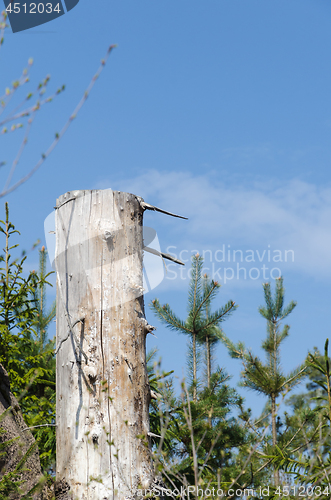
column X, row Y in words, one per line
column 14, row 426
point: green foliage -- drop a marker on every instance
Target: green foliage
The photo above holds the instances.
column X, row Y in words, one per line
column 201, row 436
column 17, row 309
column 38, row 405
column 311, row 408
column 201, row 325
column 208, row 447
column 308, row 457
column 216, row 433
column 322, row 366
column 25, row 351
column 204, row 437
column 161, row 402
column 267, row 378
column 201, row 431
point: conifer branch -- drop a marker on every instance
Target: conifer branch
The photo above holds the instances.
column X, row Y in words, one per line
column 205, row 300
column 215, row 318
column 168, row 317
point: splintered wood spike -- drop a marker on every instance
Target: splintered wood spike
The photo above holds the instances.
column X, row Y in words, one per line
column 147, row 206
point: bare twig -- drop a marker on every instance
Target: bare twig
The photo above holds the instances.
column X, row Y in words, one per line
column 64, row 129
column 164, row 255
column 147, row 206
column 19, row 154
column 248, row 459
column 36, row 426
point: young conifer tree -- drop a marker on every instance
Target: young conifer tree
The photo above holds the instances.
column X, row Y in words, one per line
column 43, row 317
column 25, row 351
column 309, row 456
column 201, row 323
column 268, row 378
column 210, row 335
column 38, row 405
column 17, row 309
column 202, row 430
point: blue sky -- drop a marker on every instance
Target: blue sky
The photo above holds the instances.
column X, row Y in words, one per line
column 216, row 110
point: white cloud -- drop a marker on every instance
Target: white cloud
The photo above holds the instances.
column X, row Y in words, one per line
column 294, row 216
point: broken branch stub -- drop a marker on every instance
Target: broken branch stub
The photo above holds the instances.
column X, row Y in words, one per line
column 103, row 393
column 147, row 206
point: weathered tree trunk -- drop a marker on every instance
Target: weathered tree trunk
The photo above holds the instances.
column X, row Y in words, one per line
column 13, row 427
column 103, row 393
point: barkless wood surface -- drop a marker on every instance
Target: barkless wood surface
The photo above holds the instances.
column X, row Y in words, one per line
column 103, row 393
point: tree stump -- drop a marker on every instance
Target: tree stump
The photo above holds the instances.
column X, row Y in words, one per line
column 102, row 385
